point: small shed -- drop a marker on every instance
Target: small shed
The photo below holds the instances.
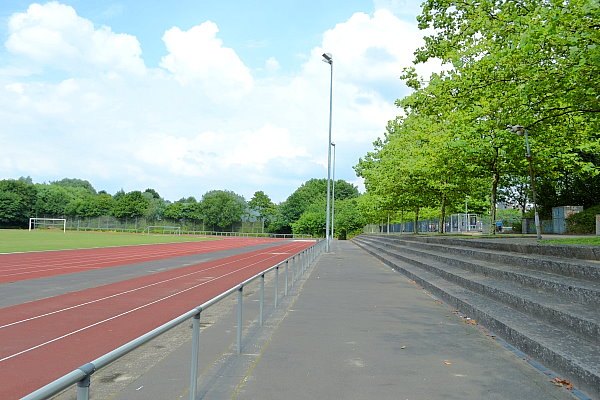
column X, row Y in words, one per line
column 559, row 217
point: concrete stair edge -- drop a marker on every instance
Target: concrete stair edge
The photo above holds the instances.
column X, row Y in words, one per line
column 531, row 337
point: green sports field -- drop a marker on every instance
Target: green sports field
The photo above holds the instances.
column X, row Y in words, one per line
column 12, row 240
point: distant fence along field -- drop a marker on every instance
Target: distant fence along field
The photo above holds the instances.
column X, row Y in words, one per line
column 141, row 224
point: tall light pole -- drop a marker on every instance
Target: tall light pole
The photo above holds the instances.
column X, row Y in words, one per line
column 329, row 60
column 333, row 195
column 521, row 131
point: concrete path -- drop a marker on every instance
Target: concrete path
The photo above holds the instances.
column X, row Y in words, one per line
column 359, row 330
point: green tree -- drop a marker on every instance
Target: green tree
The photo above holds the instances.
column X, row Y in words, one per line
column 52, row 200
column 75, row 183
column 222, row 208
column 184, row 209
column 310, row 223
column 156, row 205
column 130, row 205
column 263, row 206
column 533, row 63
column 101, row 204
column 310, row 192
column 17, row 203
column 348, row 219
column 153, row 193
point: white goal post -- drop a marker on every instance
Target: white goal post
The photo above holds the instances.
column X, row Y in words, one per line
column 164, row 229
column 48, row 223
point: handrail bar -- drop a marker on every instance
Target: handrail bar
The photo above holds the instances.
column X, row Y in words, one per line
column 81, row 373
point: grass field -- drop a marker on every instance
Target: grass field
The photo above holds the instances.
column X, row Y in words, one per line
column 12, row 240
column 588, row 241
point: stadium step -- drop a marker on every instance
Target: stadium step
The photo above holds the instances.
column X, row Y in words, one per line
column 544, row 300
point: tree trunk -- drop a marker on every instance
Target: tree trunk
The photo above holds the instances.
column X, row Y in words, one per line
column 495, row 179
column 416, row 227
column 442, row 214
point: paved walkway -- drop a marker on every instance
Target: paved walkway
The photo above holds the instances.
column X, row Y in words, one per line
column 359, row 330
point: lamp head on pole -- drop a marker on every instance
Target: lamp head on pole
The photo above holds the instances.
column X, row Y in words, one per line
column 328, row 58
column 517, row 129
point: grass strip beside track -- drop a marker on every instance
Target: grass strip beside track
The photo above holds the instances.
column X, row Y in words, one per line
column 14, row 240
column 587, row 241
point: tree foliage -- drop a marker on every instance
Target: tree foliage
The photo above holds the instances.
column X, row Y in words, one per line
column 130, row 205
column 222, row 208
column 310, row 192
column 263, row 206
column 17, row 202
column 534, row 63
column 75, row 183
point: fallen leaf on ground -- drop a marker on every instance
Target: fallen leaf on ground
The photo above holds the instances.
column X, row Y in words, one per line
column 562, row 383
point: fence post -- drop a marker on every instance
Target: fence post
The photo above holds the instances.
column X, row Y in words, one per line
column 239, row 319
column 195, row 351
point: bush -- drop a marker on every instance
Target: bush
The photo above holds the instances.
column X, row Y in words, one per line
column 517, row 227
column 583, row 222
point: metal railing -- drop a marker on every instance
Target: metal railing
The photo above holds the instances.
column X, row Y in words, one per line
column 298, row 263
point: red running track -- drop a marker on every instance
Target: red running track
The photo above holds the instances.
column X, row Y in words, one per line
column 45, row 339
column 22, row 266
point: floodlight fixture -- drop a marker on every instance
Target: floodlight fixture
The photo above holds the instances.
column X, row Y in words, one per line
column 517, row 129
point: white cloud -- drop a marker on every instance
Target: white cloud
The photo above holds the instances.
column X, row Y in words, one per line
column 404, row 8
column 272, row 65
column 373, row 49
column 201, row 121
column 53, row 35
column 198, row 56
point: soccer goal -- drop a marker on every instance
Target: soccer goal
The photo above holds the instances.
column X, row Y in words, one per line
column 37, row 223
column 173, row 230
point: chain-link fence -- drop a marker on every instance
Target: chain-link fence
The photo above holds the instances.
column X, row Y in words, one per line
column 456, row 223
column 141, row 224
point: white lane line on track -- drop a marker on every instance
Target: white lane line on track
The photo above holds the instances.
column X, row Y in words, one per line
column 113, row 257
column 120, row 293
column 27, row 269
column 104, row 259
column 168, row 247
column 128, row 291
column 124, row 313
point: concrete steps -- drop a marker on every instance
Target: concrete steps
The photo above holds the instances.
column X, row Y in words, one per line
column 547, row 304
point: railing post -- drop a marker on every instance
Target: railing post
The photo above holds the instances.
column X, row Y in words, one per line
column 286, row 277
column 239, row 319
column 195, row 352
column 276, row 286
column 262, row 300
column 83, row 386
column 294, row 271
column 304, row 264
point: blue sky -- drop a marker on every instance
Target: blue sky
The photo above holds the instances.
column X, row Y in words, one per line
column 190, row 96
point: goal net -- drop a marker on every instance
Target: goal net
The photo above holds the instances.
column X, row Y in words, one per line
column 48, row 223
column 173, row 230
